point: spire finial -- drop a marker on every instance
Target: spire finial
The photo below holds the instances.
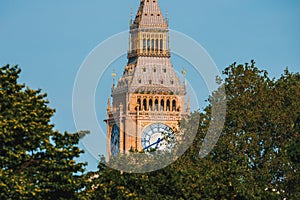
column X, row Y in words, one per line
column 108, row 105
column 131, row 14
column 184, row 74
column 167, row 15
column 114, row 74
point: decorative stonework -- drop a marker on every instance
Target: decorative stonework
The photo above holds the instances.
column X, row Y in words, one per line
column 149, row 90
column 145, row 124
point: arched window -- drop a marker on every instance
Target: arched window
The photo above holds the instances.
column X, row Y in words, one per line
column 144, row 44
column 148, row 44
column 145, row 104
column 174, row 105
column 139, row 103
column 152, row 44
column 162, row 105
column 168, row 105
column 150, row 105
column 161, row 45
column 156, row 46
column 156, row 104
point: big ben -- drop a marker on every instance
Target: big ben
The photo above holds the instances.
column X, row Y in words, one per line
column 149, row 99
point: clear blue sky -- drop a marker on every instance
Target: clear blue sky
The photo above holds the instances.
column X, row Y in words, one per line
column 50, row 39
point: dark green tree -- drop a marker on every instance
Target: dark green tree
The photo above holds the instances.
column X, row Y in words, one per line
column 293, row 152
column 255, row 157
column 36, row 162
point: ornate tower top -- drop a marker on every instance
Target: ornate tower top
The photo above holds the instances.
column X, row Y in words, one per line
column 149, row 67
column 149, row 97
column 149, row 32
column 149, row 15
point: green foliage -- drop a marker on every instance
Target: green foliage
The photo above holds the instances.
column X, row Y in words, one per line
column 293, row 151
column 256, row 156
column 36, row 162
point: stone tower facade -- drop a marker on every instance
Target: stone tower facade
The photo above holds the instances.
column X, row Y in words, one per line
column 149, row 98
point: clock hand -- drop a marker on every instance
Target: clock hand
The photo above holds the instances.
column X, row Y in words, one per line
column 158, row 141
column 150, row 146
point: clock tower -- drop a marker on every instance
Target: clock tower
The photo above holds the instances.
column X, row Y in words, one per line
column 149, row 99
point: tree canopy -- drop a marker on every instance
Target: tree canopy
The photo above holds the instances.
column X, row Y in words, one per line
column 256, row 157
column 36, row 162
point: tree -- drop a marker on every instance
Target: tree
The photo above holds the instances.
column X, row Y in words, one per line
column 36, row 162
column 250, row 160
column 293, row 152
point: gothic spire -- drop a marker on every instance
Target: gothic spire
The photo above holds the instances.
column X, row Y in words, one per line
column 149, row 15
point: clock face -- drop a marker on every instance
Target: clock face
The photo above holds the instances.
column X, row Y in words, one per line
column 158, row 136
column 115, row 141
